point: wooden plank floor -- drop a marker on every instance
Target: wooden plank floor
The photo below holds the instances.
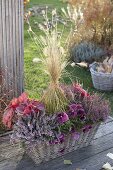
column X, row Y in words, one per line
column 90, row 158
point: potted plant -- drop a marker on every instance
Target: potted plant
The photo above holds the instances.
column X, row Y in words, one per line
column 65, row 118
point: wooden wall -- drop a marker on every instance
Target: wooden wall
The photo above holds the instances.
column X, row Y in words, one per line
column 11, row 47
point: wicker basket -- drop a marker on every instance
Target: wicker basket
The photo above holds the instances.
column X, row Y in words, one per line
column 101, row 81
column 43, row 152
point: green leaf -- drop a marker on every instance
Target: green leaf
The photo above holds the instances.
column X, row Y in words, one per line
column 67, row 162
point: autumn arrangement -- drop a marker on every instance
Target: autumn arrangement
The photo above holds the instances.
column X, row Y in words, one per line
column 66, row 117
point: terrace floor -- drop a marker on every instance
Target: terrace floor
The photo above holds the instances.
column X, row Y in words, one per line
column 90, row 158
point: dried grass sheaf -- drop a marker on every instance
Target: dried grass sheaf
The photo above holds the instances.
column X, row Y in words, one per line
column 53, row 55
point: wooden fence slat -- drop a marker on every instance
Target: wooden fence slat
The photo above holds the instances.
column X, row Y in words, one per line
column 11, row 45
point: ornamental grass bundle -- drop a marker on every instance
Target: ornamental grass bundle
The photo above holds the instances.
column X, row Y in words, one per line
column 54, row 62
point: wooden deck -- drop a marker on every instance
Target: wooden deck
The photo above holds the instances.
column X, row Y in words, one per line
column 90, row 158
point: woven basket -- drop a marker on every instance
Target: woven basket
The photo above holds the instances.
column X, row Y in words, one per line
column 43, row 152
column 101, row 81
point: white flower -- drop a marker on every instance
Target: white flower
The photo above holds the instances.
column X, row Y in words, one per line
column 36, row 60
column 107, row 166
column 73, row 64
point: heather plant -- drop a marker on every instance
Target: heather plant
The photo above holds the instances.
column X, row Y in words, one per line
column 96, row 108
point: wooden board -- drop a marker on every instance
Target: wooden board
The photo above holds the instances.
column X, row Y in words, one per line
column 11, row 46
column 90, row 158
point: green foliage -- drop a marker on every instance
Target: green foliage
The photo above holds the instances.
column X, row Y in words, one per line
column 86, row 51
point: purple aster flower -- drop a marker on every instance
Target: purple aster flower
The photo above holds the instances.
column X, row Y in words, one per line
column 87, row 128
column 62, row 117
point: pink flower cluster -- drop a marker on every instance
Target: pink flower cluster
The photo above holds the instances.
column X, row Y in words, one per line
column 78, row 89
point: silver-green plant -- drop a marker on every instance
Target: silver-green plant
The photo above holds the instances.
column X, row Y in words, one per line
column 87, row 52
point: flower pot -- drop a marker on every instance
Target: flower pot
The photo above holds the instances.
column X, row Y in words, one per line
column 43, row 151
column 101, row 81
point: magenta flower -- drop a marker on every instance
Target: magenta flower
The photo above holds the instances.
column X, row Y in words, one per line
column 62, row 117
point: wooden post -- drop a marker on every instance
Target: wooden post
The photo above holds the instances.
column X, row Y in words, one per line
column 11, row 47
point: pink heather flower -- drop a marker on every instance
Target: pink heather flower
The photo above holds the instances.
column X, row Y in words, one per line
column 62, row 117
column 79, row 89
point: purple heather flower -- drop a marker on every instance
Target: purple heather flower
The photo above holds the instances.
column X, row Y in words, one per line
column 62, row 117
column 87, row 128
column 61, row 138
column 75, row 134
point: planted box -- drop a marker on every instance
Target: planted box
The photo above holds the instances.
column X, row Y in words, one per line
column 66, row 117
